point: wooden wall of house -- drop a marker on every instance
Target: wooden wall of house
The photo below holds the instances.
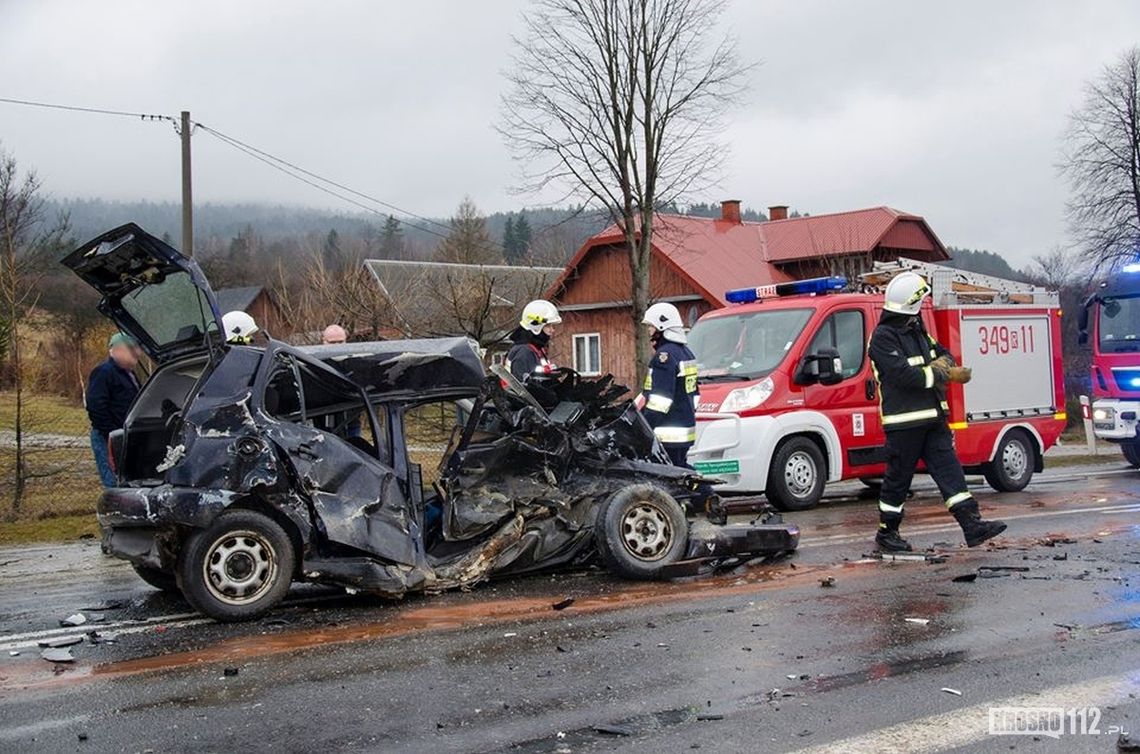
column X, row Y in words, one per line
column 603, row 276
column 267, row 314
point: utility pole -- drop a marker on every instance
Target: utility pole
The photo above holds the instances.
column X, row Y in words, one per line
column 187, row 194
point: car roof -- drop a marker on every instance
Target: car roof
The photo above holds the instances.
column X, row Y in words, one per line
column 405, row 365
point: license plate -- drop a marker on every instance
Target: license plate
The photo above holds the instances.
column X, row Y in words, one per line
column 1103, row 425
column 712, row 468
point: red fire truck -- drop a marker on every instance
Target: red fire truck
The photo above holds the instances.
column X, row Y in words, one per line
column 1115, row 339
column 788, row 400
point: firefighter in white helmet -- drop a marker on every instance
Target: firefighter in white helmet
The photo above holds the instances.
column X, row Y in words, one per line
column 669, row 397
column 913, row 370
column 239, row 327
column 528, row 356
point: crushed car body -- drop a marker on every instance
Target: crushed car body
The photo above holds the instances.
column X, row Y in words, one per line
column 242, row 468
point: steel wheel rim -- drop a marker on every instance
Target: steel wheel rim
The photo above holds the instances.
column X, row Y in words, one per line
column 646, row 531
column 800, row 474
column 1015, row 459
column 239, row 567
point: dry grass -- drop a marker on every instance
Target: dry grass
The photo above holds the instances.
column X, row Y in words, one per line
column 66, row 483
column 47, row 414
column 55, row 529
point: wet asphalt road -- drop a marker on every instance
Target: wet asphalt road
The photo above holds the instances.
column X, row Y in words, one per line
column 762, row 659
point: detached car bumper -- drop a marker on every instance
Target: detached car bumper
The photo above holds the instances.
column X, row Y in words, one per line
column 708, row 540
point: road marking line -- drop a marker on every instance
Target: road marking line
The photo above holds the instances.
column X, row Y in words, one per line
column 938, row 528
column 32, row 729
column 969, row 725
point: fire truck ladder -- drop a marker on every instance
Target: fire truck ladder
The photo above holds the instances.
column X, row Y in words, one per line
column 953, row 287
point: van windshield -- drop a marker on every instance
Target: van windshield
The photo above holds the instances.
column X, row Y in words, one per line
column 745, row 346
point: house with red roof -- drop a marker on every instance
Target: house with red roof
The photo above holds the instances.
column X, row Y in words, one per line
column 695, row 260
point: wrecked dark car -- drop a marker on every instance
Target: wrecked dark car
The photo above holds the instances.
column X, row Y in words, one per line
column 385, row 467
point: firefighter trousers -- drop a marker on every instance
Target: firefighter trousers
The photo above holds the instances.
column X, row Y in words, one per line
column 934, row 445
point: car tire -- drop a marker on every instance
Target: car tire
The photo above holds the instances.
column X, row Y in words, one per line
column 1131, row 452
column 237, row 568
column 640, row 530
column 797, row 475
column 160, row 580
column 1012, row 467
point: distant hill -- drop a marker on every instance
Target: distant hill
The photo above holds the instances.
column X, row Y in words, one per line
column 983, row 262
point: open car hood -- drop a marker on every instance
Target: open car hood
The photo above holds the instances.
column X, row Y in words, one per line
column 152, row 292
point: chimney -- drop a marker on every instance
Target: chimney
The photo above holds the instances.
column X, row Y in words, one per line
column 730, row 211
column 778, row 212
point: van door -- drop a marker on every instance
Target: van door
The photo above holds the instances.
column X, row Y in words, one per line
column 852, row 404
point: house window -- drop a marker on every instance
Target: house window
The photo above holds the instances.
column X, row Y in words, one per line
column 588, row 354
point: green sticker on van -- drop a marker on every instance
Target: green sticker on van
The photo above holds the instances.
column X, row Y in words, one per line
column 712, row 468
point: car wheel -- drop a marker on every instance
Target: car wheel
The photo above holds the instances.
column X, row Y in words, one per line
column 1131, row 453
column 797, row 475
column 161, row 580
column 640, row 530
column 237, row 568
column 1012, row 466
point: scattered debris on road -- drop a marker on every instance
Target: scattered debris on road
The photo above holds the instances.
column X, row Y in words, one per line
column 965, row 578
column 827, row 581
column 77, row 619
column 563, row 603
column 949, row 690
column 230, row 672
column 613, row 730
column 57, row 655
column 918, row 621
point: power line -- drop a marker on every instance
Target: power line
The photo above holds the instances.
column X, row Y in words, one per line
column 98, row 110
column 284, row 166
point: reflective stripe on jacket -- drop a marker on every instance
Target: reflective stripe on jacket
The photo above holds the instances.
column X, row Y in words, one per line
column 911, row 392
column 669, row 398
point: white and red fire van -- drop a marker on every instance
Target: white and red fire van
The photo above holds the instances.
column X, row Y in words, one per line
column 789, row 402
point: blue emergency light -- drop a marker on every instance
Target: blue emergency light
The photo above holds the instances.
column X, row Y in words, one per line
column 1134, row 267
column 797, row 288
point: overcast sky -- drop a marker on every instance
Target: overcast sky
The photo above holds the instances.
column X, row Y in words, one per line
column 951, row 110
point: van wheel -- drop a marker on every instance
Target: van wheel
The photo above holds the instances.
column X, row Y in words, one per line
column 797, row 475
column 161, row 580
column 1131, row 452
column 238, row 568
column 1012, row 467
column 640, row 530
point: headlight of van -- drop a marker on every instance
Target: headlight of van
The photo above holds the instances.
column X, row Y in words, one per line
column 744, row 398
column 1103, row 414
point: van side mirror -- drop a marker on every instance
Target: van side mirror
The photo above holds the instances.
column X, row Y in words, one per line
column 829, row 366
column 823, row 367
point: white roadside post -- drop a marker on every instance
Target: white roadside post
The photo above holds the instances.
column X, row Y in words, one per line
column 1086, row 415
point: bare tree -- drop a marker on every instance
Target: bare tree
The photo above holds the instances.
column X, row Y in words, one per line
column 468, row 242
column 1102, row 162
column 620, row 103
column 1057, row 269
column 26, row 237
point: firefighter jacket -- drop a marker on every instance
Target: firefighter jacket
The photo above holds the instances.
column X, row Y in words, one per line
column 669, row 398
column 911, row 392
column 528, row 356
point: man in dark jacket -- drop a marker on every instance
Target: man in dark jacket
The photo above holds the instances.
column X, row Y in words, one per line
column 111, row 389
column 913, row 370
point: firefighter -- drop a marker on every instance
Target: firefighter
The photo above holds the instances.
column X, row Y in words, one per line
column 531, row 338
column 239, row 327
column 669, row 399
column 913, row 370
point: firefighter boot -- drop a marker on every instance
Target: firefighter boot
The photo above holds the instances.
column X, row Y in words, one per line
column 974, row 528
column 888, row 538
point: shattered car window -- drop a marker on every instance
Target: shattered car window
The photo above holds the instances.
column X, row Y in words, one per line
column 171, row 311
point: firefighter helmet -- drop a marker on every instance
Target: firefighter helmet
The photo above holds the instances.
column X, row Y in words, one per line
column 239, row 327
column 665, row 317
column 538, row 314
column 905, row 293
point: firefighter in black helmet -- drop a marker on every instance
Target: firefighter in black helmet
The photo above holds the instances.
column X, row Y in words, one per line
column 913, row 370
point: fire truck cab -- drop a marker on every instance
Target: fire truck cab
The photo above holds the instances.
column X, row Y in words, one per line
column 789, row 402
column 1114, row 330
